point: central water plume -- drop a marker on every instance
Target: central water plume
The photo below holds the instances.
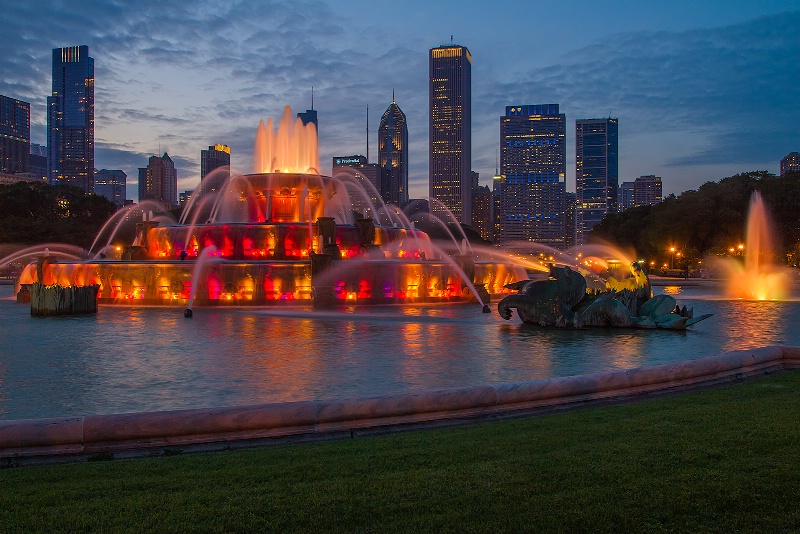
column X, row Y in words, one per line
column 291, row 148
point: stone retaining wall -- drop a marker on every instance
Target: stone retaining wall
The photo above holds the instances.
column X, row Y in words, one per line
column 110, row 435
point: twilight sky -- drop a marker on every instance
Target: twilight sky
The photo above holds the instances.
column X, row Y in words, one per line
column 702, row 89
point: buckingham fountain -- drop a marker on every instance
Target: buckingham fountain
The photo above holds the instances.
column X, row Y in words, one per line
column 137, row 377
column 282, row 234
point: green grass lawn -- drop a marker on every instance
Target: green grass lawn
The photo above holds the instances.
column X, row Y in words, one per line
column 718, row 460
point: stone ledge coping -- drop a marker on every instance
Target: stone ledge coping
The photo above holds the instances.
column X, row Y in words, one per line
column 114, row 433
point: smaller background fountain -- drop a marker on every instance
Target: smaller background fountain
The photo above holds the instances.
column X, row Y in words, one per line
column 759, row 277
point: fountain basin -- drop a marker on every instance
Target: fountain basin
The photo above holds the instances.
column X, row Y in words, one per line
column 219, row 428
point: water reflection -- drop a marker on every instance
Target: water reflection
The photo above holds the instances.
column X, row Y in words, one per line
column 140, row 359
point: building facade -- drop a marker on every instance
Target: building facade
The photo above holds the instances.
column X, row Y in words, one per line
column 216, row 157
column 70, row 118
column 15, row 135
column 450, row 131
column 393, row 155
column 483, row 212
column 647, row 190
column 310, row 116
column 38, row 161
column 790, row 163
column 368, row 176
column 111, row 184
column 625, row 195
column 159, row 181
column 596, row 173
column 533, row 154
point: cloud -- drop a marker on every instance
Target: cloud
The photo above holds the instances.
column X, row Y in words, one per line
column 733, row 88
column 185, row 76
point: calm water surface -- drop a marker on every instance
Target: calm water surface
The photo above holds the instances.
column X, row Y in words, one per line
column 146, row 359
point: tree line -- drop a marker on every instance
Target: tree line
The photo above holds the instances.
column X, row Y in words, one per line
column 708, row 221
column 35, row 212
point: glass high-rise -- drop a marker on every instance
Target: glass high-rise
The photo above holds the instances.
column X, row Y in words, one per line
column 216, row 157
column 596, row 173
column 450, row 131
column 70, row 118
column 533, row 155
column 393, row 155
column 15, row 135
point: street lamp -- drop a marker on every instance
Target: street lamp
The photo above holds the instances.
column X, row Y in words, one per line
column 672, row 258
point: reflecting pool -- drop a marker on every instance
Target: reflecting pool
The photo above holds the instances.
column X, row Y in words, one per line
column 126, row 359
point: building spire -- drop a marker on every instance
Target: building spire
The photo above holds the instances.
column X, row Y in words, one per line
column 392, row 95
column 367, row 134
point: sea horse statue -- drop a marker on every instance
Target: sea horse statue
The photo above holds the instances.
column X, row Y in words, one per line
column 562, row 300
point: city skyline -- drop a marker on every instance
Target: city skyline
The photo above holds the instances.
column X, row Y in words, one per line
column 699, row 96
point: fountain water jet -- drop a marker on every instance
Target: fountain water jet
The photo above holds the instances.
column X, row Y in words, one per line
column 758, row 278
column 263, row 228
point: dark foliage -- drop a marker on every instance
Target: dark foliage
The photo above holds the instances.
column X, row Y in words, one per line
column 708, row 220
column 33, row 212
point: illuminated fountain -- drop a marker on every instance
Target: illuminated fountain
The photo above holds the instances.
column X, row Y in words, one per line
column 758, row 278
column 282, row 234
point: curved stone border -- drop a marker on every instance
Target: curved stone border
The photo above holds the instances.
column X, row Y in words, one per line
column 98, row 435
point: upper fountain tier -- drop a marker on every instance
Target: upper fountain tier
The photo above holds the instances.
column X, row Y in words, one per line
column 291, row 148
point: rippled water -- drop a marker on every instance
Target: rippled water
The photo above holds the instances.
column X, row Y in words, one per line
column 145, row 359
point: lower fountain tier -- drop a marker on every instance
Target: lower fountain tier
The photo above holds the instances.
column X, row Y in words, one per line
column 223, row 282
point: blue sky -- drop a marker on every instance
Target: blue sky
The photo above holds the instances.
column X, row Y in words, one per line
column 702, row 89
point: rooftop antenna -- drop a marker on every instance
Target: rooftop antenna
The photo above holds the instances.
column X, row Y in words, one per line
column 392, row 95
column 451, row 38
column 368, row 135
column 312, row 97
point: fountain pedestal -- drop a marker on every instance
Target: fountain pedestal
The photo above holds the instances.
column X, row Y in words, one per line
column 323, row 296
column 59, row 300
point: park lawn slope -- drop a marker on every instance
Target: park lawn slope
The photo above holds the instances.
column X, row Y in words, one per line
column 717, row 460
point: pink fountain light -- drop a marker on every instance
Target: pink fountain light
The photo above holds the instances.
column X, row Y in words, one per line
column 758, row 278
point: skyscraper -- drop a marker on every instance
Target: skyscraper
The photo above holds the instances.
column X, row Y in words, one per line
column 368, row 175
column 70, row 118
column 596, row 173
column 15, row 135
column 647, row 190
column 625, row 196
column 111, row 184
column 215, row 157
column 790, row 163
column 159, row 181
column 533, row 154
column 393, row 155
column 450, row 130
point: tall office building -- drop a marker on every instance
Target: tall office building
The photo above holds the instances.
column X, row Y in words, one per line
column 111, row 184
column 482, row 212
column 596, row 173
column 310, row 115
column 450, row 130
column 790, row 163
column 215, row 157
column 393, row 155
column 625, row 196
column 533, row 155
column 369, row 176
column 15, row 135
column 38, row 162
column 647, row 190
column 159, row 181
column 70, row 118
